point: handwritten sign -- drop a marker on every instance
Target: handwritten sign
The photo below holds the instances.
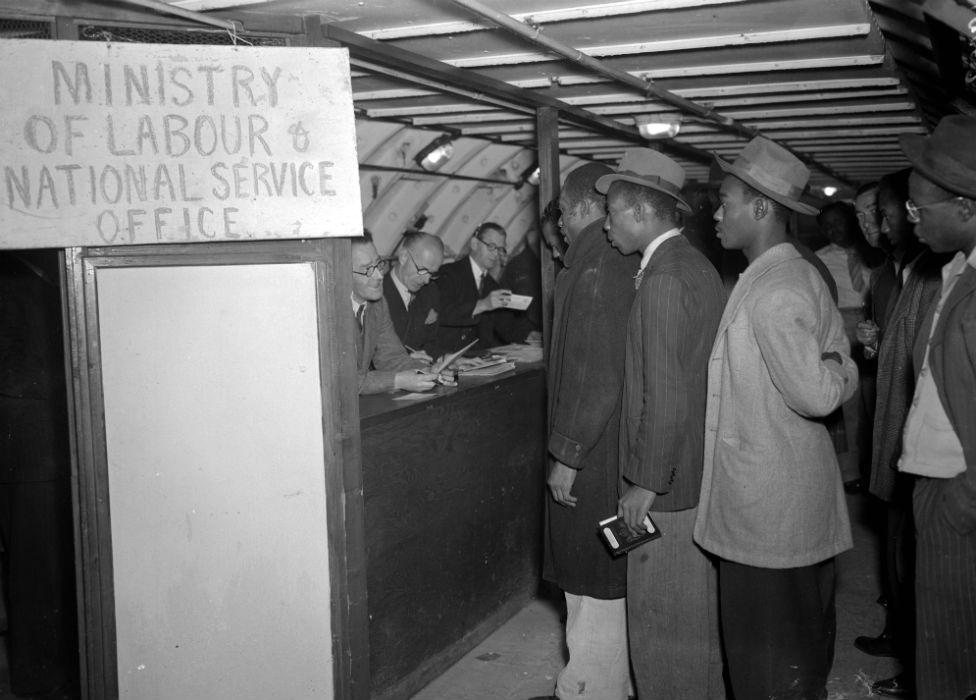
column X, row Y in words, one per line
column 127, row 144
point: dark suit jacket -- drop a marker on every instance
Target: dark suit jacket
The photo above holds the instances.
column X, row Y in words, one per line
column 459, row 294
column 523, row 275
column 670, row 335
column 586, row 373
column 896, row 376
column 952, row 358
column 379, row 352
column 417, row 325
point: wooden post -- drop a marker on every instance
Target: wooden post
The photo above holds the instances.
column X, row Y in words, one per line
column 547, row 138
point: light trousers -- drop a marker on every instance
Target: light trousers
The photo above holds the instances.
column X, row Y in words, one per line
column 596, row 636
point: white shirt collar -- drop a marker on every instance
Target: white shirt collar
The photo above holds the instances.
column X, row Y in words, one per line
column 401, row 287
column 655, row 244
column 476, row 269
column 356, row 304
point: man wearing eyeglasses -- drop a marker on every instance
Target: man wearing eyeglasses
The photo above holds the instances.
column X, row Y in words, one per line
column 940, row 431
column 382, row 362
column 470, row 296
column 414, row 302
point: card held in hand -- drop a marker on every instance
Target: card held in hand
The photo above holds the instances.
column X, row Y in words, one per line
column 620, row 540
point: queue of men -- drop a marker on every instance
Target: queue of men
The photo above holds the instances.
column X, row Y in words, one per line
column 719, row 411
column 710, row 415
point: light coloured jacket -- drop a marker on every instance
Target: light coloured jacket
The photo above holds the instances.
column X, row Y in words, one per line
column 771, row 494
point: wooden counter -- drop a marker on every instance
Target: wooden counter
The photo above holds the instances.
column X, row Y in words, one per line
column 453, row 506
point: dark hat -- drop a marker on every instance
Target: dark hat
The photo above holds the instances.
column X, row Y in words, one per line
column 648, row 168
column 948, row 156
column 774, row 171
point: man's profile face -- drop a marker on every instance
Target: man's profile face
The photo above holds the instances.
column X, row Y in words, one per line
column 621, row 224
column 487, row 247
column 418, row 266
column 895, row 225
column 366, row 287
column 939, row 226
column 734, row 220
column 866, row 207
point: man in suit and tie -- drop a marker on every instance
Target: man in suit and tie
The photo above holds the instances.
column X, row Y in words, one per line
column 381, row 360
column 671, row 602
column 414, row 302
column 772, row 504
column 940, row 431
column 470, row 297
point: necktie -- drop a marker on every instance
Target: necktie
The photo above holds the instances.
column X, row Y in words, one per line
column 638, row 277
column 361, row 315
column 856, row 270
column 481, row 284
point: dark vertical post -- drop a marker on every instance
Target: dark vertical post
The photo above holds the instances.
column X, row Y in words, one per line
column 547, row 141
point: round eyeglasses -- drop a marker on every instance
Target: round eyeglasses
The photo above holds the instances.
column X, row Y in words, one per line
column 494, row 248
column 383, row 265
column 421, row 270
column 914, row 209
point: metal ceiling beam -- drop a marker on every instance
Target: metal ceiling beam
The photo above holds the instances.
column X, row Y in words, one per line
column 668, row 45
column 535, row 36
column 561, row 14
column 390, row 59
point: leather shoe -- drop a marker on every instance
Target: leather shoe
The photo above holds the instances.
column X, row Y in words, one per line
column 882, row 645
column 899, row 686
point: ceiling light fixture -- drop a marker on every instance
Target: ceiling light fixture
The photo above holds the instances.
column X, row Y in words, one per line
column 829, row 190
column 660, row 126
column 433, row 157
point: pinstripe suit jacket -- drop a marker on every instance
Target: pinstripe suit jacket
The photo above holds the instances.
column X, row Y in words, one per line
column 771, row 489
column 670, row 332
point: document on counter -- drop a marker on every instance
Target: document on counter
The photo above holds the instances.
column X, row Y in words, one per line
column 413, row 396
column 519, row 302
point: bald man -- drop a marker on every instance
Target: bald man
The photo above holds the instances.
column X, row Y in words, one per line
column 414, row 302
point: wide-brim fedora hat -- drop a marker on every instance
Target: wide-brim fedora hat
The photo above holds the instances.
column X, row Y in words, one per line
column 649, row 168
column 948, row 156
column 772, row 170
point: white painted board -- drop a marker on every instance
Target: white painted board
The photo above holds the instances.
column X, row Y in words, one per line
column 213, row 427
column 125, row 144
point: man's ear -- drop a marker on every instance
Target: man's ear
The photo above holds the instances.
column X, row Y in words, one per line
column 967, row 209
column 760, row 207
column 639, row 212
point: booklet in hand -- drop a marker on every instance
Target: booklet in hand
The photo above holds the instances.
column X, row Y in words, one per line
column 620, row 540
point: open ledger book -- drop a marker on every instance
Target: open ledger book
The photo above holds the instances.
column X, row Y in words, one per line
column 486, row 367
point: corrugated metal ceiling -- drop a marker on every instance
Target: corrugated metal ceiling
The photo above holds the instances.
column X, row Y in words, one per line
column 834, row 80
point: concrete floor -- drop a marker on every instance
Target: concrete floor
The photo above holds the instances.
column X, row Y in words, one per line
column 521, row 659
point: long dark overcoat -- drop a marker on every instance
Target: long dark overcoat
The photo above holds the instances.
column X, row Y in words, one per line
column 586, row 367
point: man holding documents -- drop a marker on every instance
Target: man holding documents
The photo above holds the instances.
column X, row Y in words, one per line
column 470, row 297
column 381, row 360
column 772, row 504
column 671, row 601
column 414, row 302
column 592, row 302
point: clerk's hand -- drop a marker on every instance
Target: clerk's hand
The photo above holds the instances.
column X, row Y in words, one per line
column 422, row 355
column 498, row 299
column 561, row 478
column 633, row 506
column 414, row 380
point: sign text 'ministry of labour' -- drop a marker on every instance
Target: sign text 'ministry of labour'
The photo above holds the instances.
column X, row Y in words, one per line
column 123, row 144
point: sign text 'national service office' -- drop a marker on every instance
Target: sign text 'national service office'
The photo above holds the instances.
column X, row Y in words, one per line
column 125, row 144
